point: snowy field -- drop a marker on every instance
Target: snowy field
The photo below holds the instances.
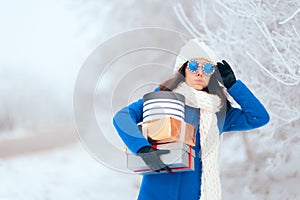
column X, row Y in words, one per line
column 63, row 173
column 70, row 172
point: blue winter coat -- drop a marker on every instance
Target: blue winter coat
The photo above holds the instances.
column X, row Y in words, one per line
column 186, row 185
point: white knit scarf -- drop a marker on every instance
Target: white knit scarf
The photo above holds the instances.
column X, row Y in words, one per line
column 209, row 104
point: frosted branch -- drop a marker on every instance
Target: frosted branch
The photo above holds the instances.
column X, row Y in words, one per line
column 185, row 21
column 296, row 32
column 291, row 17
column 270, row 73
column 269, row 38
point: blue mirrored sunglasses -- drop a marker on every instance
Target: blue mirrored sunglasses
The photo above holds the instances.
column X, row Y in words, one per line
column 207, row 68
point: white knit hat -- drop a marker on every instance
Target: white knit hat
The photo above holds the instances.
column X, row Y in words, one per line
column 194, row 49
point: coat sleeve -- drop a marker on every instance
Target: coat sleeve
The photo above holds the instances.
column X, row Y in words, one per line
column 125, row 122
column 252, row 113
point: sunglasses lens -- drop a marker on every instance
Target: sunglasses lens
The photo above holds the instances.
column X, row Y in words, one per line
column 208, row 68
column 193, row 66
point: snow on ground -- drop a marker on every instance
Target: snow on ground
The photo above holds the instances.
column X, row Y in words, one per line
column 63, row 173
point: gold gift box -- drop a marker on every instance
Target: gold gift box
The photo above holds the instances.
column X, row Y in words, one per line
column 169, row 129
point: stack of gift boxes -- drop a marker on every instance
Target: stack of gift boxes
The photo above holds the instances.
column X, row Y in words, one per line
column 164, row 127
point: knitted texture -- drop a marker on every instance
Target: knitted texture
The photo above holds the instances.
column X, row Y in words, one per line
column 194, row 49
column 209, row 138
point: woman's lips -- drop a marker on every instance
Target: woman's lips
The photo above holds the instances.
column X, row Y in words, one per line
column 198, row 81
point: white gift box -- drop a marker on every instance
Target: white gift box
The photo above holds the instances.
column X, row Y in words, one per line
column 161, row 104
column 180, row 158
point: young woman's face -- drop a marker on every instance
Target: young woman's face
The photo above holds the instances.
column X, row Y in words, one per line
column 197, row 80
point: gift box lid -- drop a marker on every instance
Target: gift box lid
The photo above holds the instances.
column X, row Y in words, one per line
column 157, row 105
column 164, row 95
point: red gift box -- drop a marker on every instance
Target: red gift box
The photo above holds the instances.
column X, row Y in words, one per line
column 180, row 158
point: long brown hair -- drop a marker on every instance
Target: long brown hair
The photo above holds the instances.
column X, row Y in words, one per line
column 212, row 88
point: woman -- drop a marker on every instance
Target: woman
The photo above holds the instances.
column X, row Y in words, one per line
column 207, row 108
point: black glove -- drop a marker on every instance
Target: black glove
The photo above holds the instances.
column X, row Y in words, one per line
column 227, row 74
column 151, row 157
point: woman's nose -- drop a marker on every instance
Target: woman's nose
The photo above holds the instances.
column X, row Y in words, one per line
column 199, row 73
